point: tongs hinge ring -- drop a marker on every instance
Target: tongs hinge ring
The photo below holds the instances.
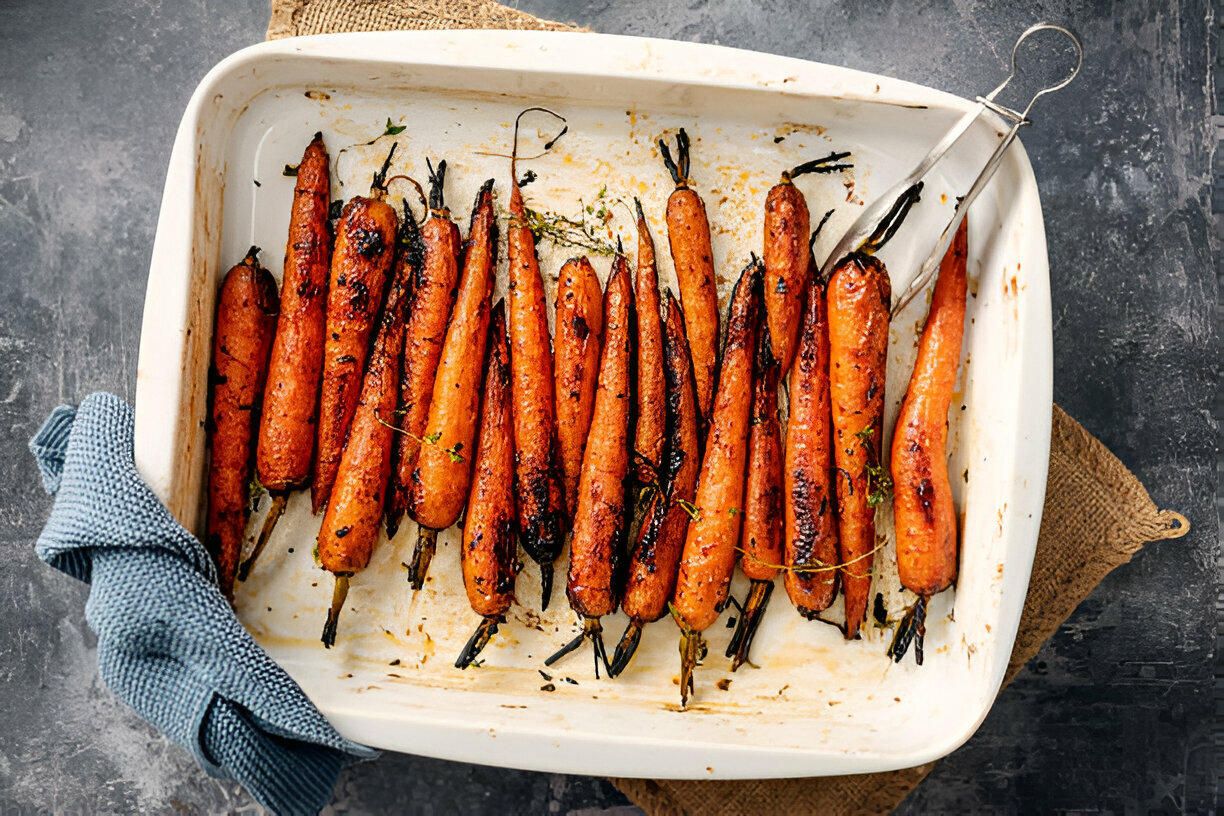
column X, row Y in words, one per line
column 1018, row 119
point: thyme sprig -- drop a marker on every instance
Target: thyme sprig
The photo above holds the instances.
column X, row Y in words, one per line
column 428, row 439
column 586, row 231
column 879, row 482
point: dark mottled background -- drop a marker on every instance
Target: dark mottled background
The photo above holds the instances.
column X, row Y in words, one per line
column 1116, row 713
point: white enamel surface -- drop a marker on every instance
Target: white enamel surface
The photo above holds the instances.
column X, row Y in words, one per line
column 816, row 705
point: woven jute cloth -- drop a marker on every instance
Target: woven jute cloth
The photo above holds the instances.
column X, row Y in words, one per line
column 1097, row 514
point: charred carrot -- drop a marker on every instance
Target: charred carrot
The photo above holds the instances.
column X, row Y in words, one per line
column 364, row 251
column 787, row 254
column 599, row 522
column 810, row 507
column 541, row 505
column 922, row 499
column 433, row 297
column 354, row 510
column 688, row 234
column 762, row 533
column 444, row 468
column 708, row 557
column 246, row 319
column 291, row 398
column 490, row 549
column 859, row 294
column 579, row 328
column 655, row 558
column 858, row 297
column 650, row 428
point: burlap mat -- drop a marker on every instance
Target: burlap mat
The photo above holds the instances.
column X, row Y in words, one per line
column 1097, row 514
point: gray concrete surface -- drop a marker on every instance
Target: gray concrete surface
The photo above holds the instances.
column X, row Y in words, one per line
column 1115, row 714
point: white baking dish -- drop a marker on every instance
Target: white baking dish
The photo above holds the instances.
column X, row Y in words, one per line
column 816, row 705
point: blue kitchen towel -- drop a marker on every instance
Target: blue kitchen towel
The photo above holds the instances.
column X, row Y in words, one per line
column 168, row 643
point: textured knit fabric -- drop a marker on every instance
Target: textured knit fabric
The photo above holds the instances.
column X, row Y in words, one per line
column 168, row 643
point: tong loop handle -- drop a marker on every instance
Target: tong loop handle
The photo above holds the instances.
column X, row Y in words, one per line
column 1079, row 62
column 930, row 267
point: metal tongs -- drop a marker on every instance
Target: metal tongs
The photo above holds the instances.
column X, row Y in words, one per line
column 882, row 217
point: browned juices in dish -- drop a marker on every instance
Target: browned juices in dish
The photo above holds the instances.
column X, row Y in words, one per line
column 579, row 329
column 489, row 555
column 444, row 464
column 246, row 320
column 655, row 558
column 541, row 505
column 688, row 235
column 433, row 297
column 365, row 248
column 762, row 534
column 650, row 428
column 924, row 514
column 350, row 523
column 709, row 553
column 859, row 296
column 811, row 549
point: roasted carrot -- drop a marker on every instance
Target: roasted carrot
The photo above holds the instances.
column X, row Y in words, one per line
column 787, row 254
column 762, row 533
column 364, row 251
column 688, row 234
column 810, row 506
column 655, row 558
column 490, row 549
column 433, row 297
column 579, row 329
column 541, row 504
column 355, row 508
column 291, row 398
column 922, row 499
column 650, row 428
column 600, row 525
column 246, row 319
column 708, row 557
column 858, row 298
column 444, row 467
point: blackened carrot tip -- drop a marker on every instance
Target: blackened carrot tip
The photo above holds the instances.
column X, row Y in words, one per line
column 339, row 594
column 479, row 639
column 911, row 629
column 750, row 619
column 380, row 178
column 546, row 584
column 637, row 203
column 486, row 188
column 437, row 177
column 825, row 164
column 422, row 555
column 318, row 137
column 252, row 254
column 626, row 648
